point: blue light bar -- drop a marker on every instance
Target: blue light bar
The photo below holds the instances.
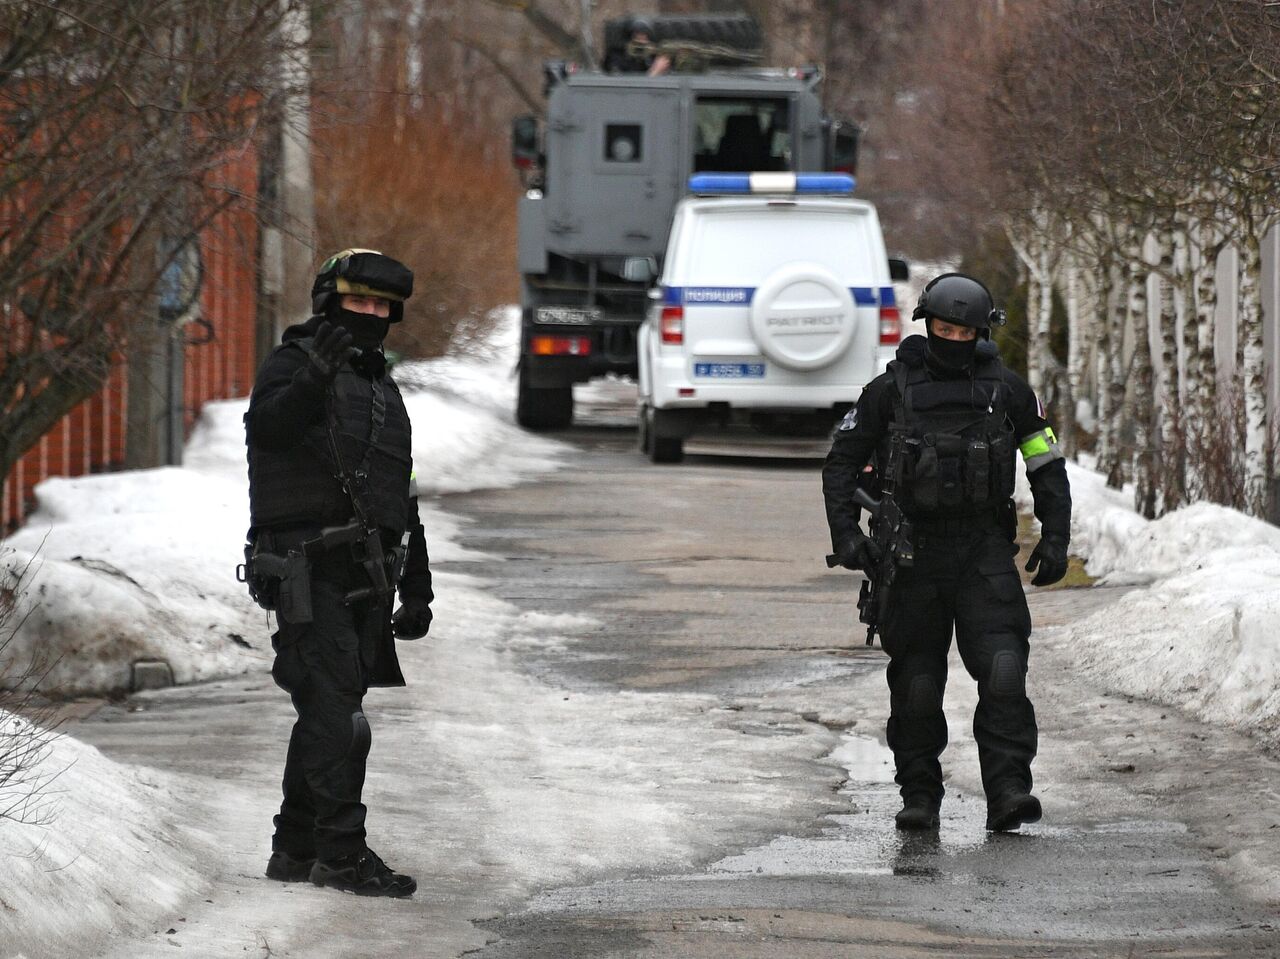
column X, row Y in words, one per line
column 841, row 183
column 739, row 184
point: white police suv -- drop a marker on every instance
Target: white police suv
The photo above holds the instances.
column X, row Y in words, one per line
column 774, row 301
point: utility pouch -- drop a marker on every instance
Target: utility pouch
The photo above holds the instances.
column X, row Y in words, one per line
column 951, row 455
column 977, row 472
column 925, row 480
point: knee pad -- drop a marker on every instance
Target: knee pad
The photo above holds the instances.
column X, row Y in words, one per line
column 1008, row 679
column 923, row 698
column 361, row 736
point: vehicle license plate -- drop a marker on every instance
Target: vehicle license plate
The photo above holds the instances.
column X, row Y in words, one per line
column 729, row 371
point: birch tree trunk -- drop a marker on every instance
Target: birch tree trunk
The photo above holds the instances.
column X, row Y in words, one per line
column 1142, row 397
column 1202, row 403
column 1035, row 358
column 1252, row 376
column 1168, row 479
column 1076, row 333
column 1117, row 469
column 1036, row 255
column 1109, row 347
column 1192, row 384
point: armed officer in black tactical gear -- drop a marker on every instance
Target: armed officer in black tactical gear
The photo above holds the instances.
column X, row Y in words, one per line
column 335, row 533
column 946, row 419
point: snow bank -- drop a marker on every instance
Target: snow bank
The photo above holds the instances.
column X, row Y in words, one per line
column 107, row 828
column 1200, row 632
column 140, row 565
column 136, row 566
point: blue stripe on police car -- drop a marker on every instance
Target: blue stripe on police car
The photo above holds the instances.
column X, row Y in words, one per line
column 742, row 295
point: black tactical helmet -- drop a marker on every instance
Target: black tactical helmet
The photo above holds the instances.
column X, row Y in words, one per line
column 959, row 299
column 640, row 25
column 362, row 273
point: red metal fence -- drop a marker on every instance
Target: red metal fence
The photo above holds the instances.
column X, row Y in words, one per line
column 219, row 358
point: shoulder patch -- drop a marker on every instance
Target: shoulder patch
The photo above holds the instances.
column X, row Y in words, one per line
column 850, row 420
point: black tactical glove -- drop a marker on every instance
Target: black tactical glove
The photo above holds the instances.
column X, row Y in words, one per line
column 412, row 619
column 329, row 350
column 859, row 552
column 1050, row 555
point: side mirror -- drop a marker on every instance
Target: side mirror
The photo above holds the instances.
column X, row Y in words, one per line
column 898, row 269
column 639, row 269
column 524, row 142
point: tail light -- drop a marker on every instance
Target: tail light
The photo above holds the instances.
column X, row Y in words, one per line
column 890, row 326
column 560, row 346
column 671, row 324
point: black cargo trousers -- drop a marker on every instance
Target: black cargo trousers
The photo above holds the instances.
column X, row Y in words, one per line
column 321, row 665
column 966, row 580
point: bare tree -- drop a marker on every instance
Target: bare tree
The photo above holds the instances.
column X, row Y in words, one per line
column 116, row 125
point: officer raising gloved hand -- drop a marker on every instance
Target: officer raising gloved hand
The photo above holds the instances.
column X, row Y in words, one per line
column 330, row 349
column 330, row 480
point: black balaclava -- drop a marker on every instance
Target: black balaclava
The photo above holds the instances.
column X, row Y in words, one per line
column 950, row 356
column 367, row 331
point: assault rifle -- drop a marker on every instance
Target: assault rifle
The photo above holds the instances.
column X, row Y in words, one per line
column 689, row 56
column 891, row 532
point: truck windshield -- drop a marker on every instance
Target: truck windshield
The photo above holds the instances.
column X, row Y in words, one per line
column 742, row 134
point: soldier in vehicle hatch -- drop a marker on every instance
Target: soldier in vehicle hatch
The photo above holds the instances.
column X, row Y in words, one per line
column 638, row 53
column 335, row 534
column 940, row 428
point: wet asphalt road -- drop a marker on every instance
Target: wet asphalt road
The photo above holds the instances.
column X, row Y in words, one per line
column 709, row 578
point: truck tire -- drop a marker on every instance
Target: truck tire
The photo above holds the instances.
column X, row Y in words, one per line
column 543, row 408
column 658, row 447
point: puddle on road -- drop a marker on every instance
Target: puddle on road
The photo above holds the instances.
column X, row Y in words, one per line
column 863, row 841
column 859, row 842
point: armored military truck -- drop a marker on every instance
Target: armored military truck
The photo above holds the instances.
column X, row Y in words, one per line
column 603, row 172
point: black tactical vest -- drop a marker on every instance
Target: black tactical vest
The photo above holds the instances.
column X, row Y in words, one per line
column 300, row 485
column 959, row 444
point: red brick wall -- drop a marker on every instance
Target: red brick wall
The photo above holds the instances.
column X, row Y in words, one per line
column 219, row 358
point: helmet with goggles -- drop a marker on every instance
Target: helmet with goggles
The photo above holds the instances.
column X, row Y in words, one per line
column 358, row 272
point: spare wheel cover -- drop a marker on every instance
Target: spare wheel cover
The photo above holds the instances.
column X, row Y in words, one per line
column 802, row 318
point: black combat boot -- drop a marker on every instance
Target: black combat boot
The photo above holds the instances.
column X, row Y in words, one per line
column 918, row 812
column 1011, row 809
column 362, row 873
column 287, row 868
